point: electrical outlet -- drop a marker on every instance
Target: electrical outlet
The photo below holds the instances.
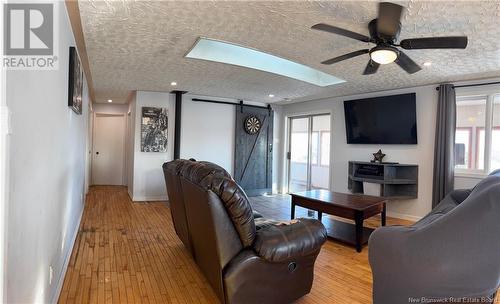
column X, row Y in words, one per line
column 51, row 274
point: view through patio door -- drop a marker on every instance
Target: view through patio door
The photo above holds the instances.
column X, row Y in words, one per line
column 309, row 153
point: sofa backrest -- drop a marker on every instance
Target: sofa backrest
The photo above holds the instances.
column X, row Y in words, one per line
column 172, row 171
column 495, row 172
column 219, row 218
column 236, row 204
column 217, row 215
column 215, row 241
column 176, row 201
column 468, row 232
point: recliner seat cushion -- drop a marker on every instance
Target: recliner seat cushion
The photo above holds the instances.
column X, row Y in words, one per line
column 262, row 222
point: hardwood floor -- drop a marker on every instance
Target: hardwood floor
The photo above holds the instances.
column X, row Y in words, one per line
column 129, row 253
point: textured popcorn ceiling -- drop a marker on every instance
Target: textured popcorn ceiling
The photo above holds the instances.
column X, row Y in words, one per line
column 140, row 45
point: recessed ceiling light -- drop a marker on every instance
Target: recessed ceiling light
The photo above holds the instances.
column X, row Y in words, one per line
column 271, row 95
column 173, row 83
column 109, row 100
column 427, row 63
column 229, row 53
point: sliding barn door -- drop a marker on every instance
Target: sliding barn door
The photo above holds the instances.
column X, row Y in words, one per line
column 253, row 149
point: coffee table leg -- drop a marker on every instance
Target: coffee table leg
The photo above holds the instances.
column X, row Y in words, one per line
column 320, row 216
column 293, row 210
column 384, row 211
column 359, row 230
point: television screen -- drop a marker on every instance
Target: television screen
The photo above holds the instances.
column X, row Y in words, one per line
column 382, row 120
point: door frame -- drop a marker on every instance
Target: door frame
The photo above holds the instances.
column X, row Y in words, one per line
column 288, row 145
column 124, row 117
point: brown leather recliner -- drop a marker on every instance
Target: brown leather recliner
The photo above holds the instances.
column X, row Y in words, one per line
column 246, row 258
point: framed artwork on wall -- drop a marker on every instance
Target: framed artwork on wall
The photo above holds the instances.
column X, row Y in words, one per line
column 75, row 85
column 154, row 129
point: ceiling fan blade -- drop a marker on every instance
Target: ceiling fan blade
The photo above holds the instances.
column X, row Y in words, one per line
column 371, row 68
column 459, row 42
column 407, row 64
column 340, row 31
column 389, row 16
column 345, row 56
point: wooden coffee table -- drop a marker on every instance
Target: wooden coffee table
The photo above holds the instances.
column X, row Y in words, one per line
column 350, row 206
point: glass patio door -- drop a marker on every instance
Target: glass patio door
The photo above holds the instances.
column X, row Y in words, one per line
column 309, row 153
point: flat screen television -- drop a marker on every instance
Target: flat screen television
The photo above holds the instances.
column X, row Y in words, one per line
column 382, row 120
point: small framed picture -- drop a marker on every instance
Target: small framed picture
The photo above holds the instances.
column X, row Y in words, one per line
column 154, row 129
column 75, row 86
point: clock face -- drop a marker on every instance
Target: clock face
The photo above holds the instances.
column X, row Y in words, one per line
column 252, row 125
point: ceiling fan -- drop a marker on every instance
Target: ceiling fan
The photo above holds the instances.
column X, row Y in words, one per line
column 384, row 32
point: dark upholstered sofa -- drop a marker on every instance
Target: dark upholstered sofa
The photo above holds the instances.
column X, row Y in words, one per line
column 449, row 256
column 246, row 258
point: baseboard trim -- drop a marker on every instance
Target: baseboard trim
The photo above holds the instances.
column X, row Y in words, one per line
column 67, row 259
column 404, row 216
column 130, row 195
column 149, row 198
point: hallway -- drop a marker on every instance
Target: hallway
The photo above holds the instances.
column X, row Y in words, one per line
column 129, row 253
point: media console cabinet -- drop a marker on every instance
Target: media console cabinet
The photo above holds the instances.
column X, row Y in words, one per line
column 398, row 181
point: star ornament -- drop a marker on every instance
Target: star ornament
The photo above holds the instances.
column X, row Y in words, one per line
column 378, row 156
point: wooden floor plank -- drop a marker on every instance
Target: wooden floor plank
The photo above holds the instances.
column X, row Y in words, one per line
column 128, row 252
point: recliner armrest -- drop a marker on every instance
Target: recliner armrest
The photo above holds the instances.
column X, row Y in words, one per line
column 280, row 242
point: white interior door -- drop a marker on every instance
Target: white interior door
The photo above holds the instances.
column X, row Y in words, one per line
column 108, row 151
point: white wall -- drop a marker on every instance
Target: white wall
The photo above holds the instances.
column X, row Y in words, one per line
column 421, row 154
column 110, row 108
column 4, row 169
column 131, row 143
column 47, row 176
column 208, row 131
column 88, row 148
column 278, row 148
column 148, row 180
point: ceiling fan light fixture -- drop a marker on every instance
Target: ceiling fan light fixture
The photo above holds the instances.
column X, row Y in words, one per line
column 384, row 54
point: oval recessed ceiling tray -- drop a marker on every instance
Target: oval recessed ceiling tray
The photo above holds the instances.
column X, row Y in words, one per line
column 224, row 52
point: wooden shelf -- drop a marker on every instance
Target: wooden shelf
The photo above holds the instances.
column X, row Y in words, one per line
column 381, row 181
column 397, row 181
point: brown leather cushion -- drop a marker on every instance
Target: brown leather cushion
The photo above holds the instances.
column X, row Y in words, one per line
column 213, row 177
column 197, row 171
column 301, row 237
column 236, row 204
column 216, row 169
column 174, row 167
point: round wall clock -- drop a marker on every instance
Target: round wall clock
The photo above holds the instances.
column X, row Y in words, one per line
column 252, row 125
